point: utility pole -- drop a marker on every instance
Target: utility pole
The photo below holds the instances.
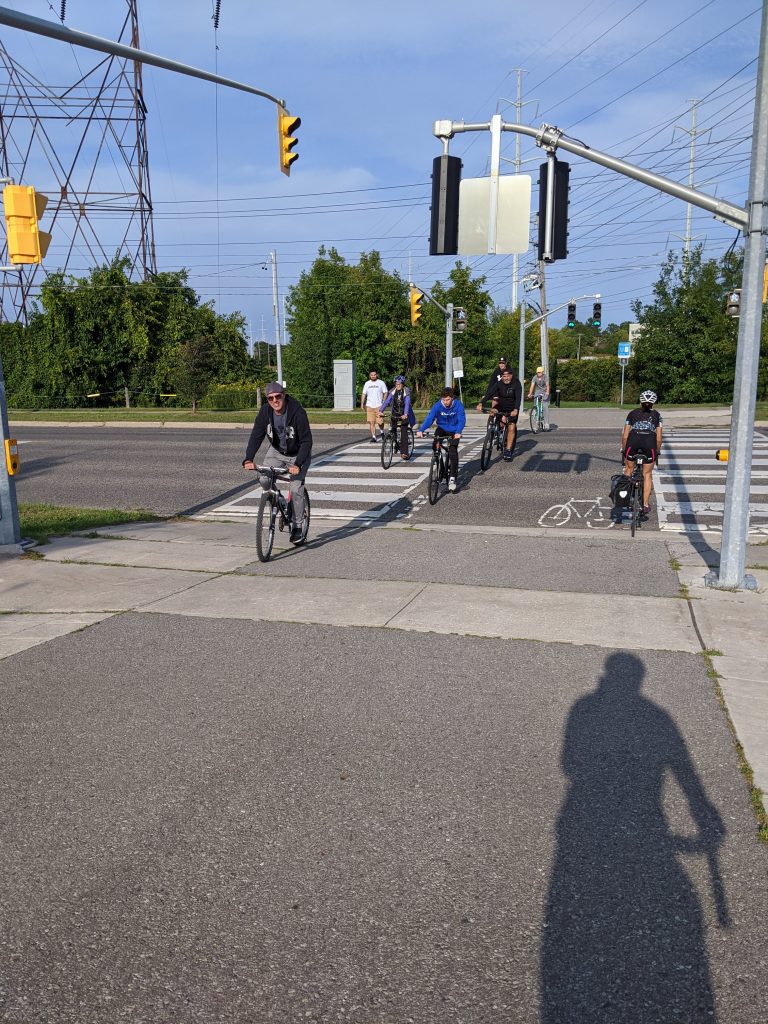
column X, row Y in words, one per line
column 736, row 511
column 693, row 133
column 543, row 328
column 578, row 347
column 276, row 311
column 518, row 141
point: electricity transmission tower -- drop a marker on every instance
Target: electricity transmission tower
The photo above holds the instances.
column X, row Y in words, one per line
column 83, row 145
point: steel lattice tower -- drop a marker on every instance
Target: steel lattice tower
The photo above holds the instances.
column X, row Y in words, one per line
column 67, row 142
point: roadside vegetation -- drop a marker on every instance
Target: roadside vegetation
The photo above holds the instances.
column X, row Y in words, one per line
column 41, row 522
column 107, row 343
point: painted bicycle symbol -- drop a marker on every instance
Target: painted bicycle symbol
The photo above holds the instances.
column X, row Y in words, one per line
column 590, row 510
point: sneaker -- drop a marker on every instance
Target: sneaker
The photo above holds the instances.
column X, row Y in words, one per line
column 646, row 510
column 452, row 483
column 507, row 456
column 295, row 535
column 373, row 439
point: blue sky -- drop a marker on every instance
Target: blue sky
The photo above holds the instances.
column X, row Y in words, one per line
column 368, row 80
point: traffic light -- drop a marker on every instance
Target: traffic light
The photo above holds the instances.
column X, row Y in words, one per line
column 459, row 319
column 571, row 314
column 286, row 125
column 557, row 249
column 23, row 208
column 417, row 298
column 444, row 211
column 733, row 303
column 597, row 314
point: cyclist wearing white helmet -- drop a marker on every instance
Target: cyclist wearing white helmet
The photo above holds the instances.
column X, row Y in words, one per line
column 642, row 432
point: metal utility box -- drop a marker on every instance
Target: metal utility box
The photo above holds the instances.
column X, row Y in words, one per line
column 344, row 396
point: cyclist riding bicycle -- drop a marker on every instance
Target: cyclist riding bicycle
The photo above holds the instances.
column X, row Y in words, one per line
column 505, row 397
column 402, row 414
column 642, row 433
column 284, row 421
column 450, row 418
column 540, row 387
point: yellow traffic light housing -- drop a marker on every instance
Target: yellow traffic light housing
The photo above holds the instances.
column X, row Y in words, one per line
column 286, row 126
column 23, row 208
column 416, row 300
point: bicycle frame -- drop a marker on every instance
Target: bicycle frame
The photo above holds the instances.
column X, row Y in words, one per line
column 439, row 463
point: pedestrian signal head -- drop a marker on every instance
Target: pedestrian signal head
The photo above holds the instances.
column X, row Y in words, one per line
column 23, row 208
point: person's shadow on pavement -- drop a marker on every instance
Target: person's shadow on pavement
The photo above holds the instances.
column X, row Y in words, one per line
column 623, row 939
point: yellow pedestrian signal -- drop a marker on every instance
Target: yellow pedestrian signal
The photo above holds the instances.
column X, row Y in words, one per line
column 286, row 126
column 23, row 208
column 417, row 298
column 12, row 461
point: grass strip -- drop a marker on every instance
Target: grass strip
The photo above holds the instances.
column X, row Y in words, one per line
column 41, row 522
column 755, row 793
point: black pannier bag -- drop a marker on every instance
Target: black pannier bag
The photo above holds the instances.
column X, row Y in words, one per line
column 619, row 492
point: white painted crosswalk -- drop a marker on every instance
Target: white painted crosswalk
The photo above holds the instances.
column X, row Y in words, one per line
column 352, row 485
column 690, row 483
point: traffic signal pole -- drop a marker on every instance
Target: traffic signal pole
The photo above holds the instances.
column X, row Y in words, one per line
column 736, row 506
column 752, row 220
column 10, row 533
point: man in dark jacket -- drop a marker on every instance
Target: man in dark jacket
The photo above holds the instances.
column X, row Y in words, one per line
column 496, row 375
column 505, row 396
column 283, row 420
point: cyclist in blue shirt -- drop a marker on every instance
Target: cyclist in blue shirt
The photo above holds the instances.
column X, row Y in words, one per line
column 449, row 418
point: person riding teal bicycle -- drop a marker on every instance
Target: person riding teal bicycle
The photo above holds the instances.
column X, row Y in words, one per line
column 449, row 418
column 402, row 414
column 540, row 389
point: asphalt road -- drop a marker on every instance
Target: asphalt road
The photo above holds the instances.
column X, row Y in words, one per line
column 160, row 470
column 169, row 471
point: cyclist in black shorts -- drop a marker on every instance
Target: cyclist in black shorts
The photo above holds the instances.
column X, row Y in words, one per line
column 505, row 396
column 642, row 432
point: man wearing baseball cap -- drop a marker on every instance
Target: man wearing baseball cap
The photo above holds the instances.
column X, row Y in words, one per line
column 496, row 375
column 284, row 421
column 540, row 388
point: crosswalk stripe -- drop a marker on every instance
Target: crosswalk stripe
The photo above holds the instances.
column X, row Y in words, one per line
column 687, row 467
column 355, row 476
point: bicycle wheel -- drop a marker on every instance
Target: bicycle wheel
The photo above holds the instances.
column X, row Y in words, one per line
column 535, row 418
column 556, row 515
column 485, row 454
column 435, row 473
column 411, row 441
column 265, row 527
column 387, row 450
column 636, row 509
column 304, row 521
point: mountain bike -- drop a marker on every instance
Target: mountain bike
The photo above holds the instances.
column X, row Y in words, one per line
column 438, row 468
column 494, row 437
column 390, row 443
column 537, row 414
column 275, row 510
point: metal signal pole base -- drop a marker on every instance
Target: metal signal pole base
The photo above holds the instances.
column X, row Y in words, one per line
column 712, row 579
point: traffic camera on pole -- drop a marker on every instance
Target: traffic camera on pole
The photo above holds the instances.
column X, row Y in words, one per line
column 733, row 303
column 23, row 208
column 597, row 314
column 286, row 125
column 416, row 299
column 571, row 314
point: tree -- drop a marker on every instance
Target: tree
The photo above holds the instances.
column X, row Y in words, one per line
column 195, row 368
column 687, row 349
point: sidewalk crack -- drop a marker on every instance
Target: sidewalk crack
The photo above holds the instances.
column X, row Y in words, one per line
column 407, row 603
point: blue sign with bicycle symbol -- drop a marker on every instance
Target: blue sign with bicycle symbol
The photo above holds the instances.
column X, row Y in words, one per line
column 625, row 349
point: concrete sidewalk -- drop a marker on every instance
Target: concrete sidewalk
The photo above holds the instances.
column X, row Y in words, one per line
column 589, row 594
